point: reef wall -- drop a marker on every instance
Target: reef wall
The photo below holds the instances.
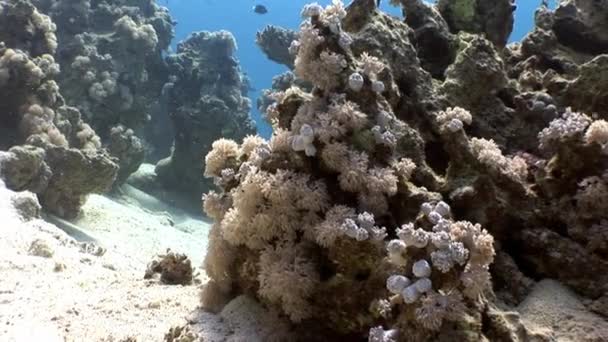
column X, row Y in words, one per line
column 112, row 69
column 53, row 152
column 429, row 173
column 109, row 61
column 92, row 76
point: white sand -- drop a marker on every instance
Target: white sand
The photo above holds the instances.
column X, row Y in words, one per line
column 95, row 298
column 554, row 308
column 139, row 234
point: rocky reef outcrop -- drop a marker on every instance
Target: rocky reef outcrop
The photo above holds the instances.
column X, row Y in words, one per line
column 406, row 194
column 110, row 53
column 275, row 42
column 206, row 99
column 112, row 69
column 53, row 152
column 493, row 19
column 108, row 61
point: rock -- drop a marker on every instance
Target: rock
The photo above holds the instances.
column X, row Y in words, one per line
column 62, row 177
column 600, row 305
column 388, row 38
column 510, row 284
column 76, row 174
column 582, row 25
column 92, row 248
column 41, row 248
column 588, row 92
column 492, row 18
column 24, row 168
column 478, row 65
column 548, row 253
column 435, row 44
column 128, row 149
column 206, row 96
column 59, row 267
column 474, row 81
column 26, row 204
column 274, row 42
column 181, row 334
column 154, row 305
column 174, row 269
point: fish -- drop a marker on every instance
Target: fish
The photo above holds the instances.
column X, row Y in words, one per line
column 260, row 9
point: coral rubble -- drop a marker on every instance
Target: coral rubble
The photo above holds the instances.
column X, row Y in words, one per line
column 173, row 268
column 391, row 185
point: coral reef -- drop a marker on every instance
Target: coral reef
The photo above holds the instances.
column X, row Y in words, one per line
column 102, row 62
column 279, row 45
column 207, row 100
column 275, row 42
column 110, row 53
column 54, row 153
column 435, row 44
column 128, row 149
column 280, row 83
column 421, row 180
column 24, row 28
column 493, row 19
column 390, row 186
column 112, row 69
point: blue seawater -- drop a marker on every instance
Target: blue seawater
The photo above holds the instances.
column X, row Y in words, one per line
column 237, row 16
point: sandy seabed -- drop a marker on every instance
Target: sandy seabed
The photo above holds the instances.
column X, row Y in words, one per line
column 62, row 290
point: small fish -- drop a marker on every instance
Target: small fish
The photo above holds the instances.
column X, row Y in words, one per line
column 260, row 9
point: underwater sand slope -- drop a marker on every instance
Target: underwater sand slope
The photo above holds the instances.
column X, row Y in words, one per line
column 53, row 288
column 139, row 233
column 552, row 306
